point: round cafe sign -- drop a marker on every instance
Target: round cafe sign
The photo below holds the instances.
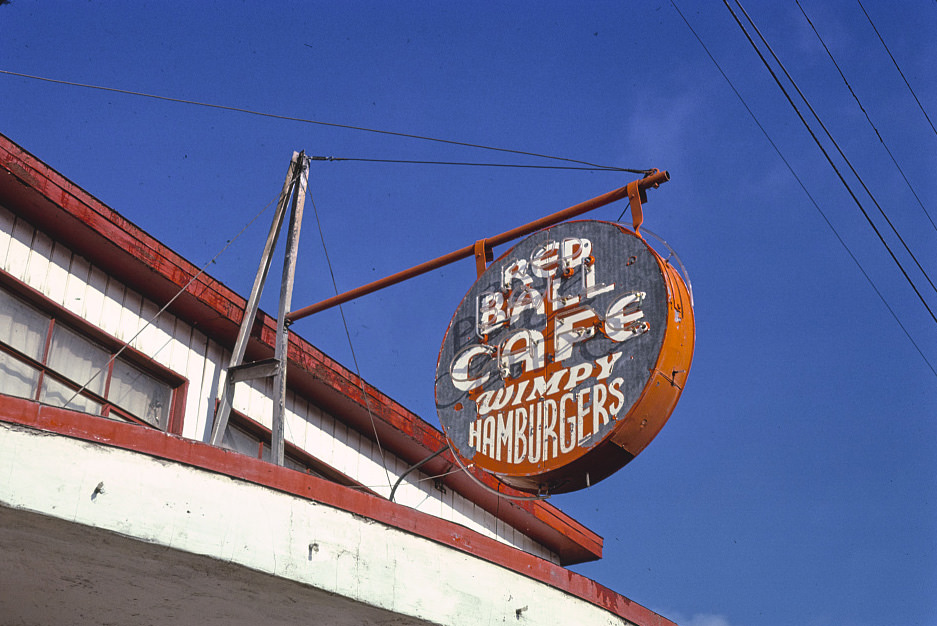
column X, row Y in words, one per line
column 565, row 358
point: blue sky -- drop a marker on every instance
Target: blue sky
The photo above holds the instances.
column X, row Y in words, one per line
column 796, row 479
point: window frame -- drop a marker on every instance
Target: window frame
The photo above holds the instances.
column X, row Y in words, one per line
column 111, row 345
column 313, row 465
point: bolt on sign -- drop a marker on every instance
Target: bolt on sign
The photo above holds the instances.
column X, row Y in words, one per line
column 565, row 358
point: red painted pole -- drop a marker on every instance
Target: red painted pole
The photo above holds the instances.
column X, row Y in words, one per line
column 651, row 181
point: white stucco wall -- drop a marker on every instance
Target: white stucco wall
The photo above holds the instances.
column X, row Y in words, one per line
column 193, row 511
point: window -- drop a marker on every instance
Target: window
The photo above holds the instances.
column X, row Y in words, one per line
column 59, row 363
column 250, row 438
column 238, row 437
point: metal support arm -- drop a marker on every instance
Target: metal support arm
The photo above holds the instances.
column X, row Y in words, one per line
column 653, row 180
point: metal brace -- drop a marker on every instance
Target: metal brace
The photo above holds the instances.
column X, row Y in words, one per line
column 483, row 256
column 636, row 196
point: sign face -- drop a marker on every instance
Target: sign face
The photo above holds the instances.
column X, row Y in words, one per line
column 552, row 352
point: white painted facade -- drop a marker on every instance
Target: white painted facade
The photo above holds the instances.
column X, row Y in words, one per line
column 70, row 281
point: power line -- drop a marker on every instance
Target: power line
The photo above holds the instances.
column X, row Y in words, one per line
column 841, row 154
column 351, row 347
column 537, row 167
column 897, row 67
column 820, row 145
column 864, row 112
column 310, row 121
column 804, row 188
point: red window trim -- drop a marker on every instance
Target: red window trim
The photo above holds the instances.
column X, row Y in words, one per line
column 58, row 313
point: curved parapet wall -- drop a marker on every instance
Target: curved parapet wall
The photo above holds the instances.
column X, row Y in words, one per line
column 155, row 527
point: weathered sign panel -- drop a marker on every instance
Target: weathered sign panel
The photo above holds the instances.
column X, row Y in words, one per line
column 565, row 358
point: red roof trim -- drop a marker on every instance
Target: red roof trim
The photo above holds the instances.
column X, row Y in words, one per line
column 197, row 454
column 69, row 214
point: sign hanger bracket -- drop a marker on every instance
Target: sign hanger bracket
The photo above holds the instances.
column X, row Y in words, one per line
column 636, row 195
column 483, row 256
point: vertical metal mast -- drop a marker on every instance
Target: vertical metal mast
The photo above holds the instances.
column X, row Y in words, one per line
column 286, row 295
column 294, row 186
